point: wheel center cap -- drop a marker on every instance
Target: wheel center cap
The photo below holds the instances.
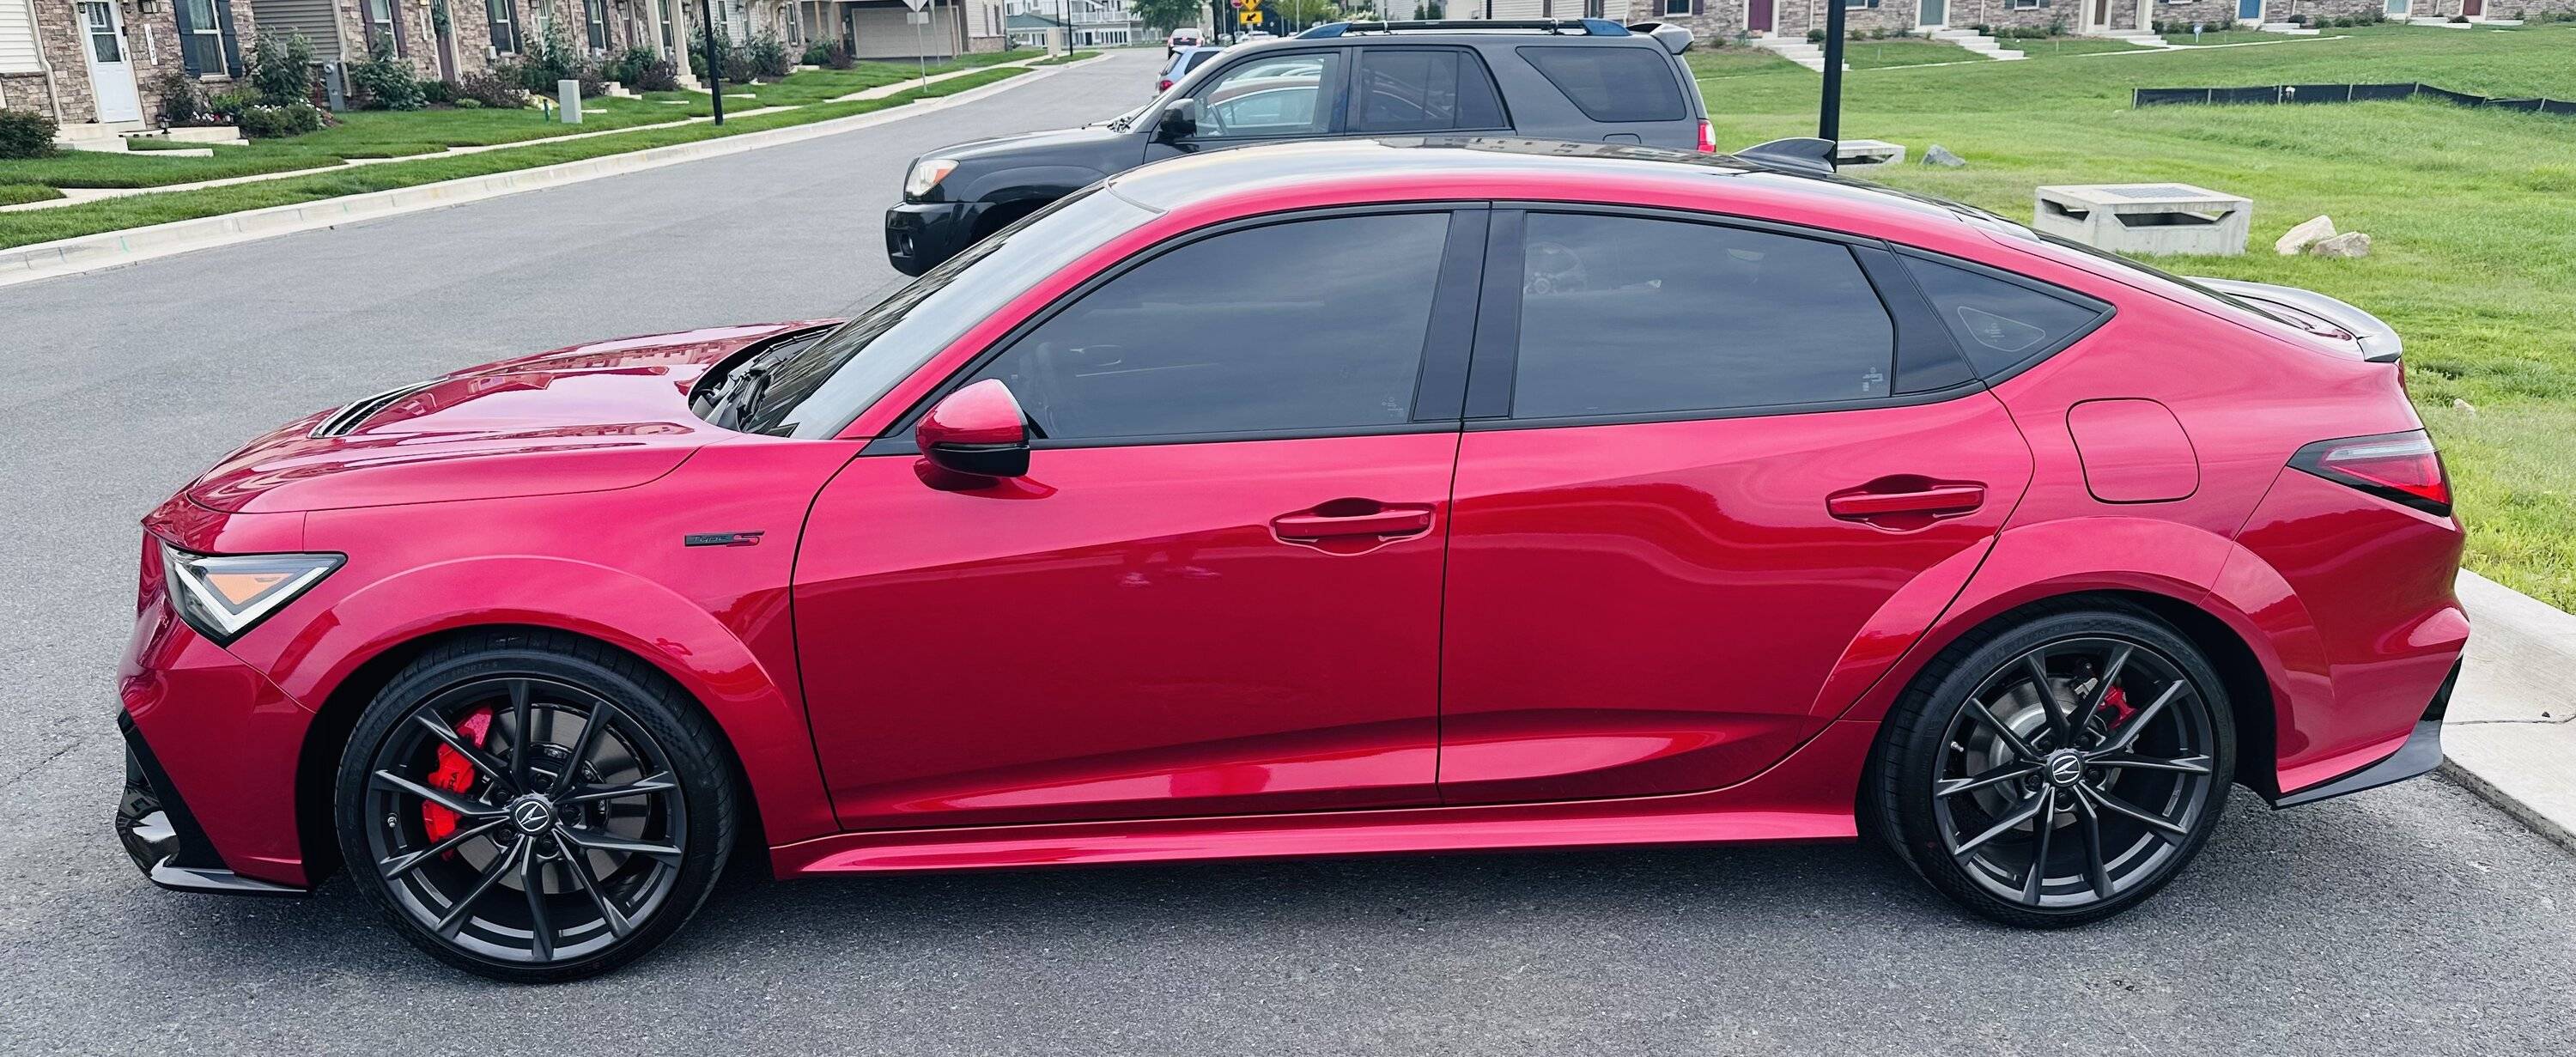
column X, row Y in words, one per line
column 2065, row 767
column 532, row 815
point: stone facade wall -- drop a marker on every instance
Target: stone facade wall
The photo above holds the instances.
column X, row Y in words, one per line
column 151, row 49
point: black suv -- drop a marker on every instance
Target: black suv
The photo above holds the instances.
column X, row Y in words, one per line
column 1590, row 79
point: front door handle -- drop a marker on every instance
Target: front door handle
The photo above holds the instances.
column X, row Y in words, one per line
column 1352, row 517
column 1868, row 502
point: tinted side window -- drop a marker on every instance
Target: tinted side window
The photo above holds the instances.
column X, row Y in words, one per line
column 1628, row 315
column 1424, row 91
column 1612, row 84
column 1999, row 325
column 1313, row 324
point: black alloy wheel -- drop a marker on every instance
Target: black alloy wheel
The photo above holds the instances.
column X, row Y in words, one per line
column 2060, row 771
column 533, row 807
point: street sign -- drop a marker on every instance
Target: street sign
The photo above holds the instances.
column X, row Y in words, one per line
column 916, row 5
column 918, row 18
column 1248, row 18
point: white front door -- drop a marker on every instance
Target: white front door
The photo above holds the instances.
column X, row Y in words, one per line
column 111, row 73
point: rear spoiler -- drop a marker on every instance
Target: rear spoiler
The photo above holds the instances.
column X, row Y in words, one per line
column 2378, row 341
column 1675, row 39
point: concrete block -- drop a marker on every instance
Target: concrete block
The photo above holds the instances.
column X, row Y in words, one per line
column 2146, row 218
column 1867, row 153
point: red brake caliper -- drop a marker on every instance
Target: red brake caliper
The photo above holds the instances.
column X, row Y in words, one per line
column 2117, row 704
column 455, row 774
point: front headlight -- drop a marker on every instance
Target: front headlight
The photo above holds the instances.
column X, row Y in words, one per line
column 223, row 596
column 926, row 174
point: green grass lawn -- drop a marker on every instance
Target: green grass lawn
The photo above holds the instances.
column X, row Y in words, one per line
column 1877, row 54
column 2058, row 47
column 2473, row 213
column 1707, row 63
column 806, row 87
column 15, row 194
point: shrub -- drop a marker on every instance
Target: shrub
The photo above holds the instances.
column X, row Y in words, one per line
column 549, row 60
column 497, row 88
column 228, row 106
column 658, row 75
column 281, row 68
column 628, row 67
column 438, row 93
column 837, row 56
column 1815, row 36
column 469, row 103
column 817, row 53
column 26, row 134
column 768, row 57
column 383, row 82
column 1878, row 34
column 263, row 121
column 180, row 103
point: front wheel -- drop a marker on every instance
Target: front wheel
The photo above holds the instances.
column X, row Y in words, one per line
column 2058, row 771
column 533, row 807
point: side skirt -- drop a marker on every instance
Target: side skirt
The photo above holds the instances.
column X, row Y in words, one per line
column 1805, row 797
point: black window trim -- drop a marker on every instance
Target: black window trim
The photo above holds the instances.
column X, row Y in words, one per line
column 1351, row 98
column 2103, row 311
column 1439, row 381
column 1341, row 105
column 1498, row 324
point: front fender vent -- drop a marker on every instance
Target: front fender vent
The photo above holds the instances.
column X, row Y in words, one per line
column 349, row 418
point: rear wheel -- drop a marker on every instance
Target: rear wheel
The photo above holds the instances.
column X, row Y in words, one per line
column 534, row 807
column 2058, row 771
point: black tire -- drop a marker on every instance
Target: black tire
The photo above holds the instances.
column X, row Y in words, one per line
column 615, row 874
column 1946, row 787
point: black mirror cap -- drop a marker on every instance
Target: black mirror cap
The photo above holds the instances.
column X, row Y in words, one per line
column 1180, row 120
column 981, row 460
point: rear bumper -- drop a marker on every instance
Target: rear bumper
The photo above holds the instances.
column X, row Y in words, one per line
column 919, row 235
column 2418, row 755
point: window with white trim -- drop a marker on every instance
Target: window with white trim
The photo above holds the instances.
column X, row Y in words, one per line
column 1677, row 7
column 596, row 13
column 505, row 28
column 201, row 44
column 381, row 25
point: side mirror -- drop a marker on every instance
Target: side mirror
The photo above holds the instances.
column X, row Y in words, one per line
column 977, row 430
column 1180, row 121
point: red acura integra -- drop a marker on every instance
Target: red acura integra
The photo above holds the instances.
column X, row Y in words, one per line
column 1333, row 498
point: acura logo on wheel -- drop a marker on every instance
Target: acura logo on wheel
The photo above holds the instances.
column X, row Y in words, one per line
column 531, row 816
column 2065, row 768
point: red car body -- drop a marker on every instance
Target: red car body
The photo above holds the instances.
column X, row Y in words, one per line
column 1603, row 634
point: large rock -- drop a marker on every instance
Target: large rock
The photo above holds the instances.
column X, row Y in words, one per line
column 2308, row 234
column 1939, row 155
column 2348, row 244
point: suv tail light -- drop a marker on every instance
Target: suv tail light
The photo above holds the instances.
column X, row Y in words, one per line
column 2398, row 467
column 1707, row 138
column 1163, row 85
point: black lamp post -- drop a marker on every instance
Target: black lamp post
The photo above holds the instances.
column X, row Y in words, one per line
column 1829, row 113
column 715, row 62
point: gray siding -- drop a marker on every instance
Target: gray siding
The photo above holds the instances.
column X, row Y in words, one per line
column 313, row 18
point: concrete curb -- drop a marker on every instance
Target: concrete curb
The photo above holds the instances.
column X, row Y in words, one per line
column 2510, row 735
column 110, row 249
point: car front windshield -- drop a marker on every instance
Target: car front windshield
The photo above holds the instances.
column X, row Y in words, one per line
column 819, row 388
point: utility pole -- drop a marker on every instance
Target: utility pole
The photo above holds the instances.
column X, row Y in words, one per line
column 1829, row 112
column 715, row 62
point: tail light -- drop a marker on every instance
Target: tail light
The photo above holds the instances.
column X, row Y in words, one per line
column 1163, row 85
column 1707, row 138
column 2399, row 467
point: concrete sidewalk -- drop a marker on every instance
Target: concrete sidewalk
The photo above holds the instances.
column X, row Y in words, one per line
column 2509, row 736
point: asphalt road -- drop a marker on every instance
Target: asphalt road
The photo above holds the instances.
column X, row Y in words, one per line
column 2404, row 921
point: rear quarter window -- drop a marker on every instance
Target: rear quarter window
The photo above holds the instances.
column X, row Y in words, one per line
column 1999, row 324
column 1612, row 83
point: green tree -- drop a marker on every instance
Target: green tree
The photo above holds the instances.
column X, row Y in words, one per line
column 1165, row 16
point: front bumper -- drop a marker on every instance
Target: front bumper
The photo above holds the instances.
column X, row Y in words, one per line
column 919, row 235
column 162, row 836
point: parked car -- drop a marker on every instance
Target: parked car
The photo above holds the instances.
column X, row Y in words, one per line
column 1182, row 62
column 1558, row 495
column 1586, row 80
column 1181, row 38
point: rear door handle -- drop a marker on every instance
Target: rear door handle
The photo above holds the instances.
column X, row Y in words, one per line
column 1861, row 505
column 1352, row 517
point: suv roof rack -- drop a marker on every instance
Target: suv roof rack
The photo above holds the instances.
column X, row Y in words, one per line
column 1599, row 27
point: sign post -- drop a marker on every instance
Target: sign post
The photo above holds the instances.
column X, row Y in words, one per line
column 1829, row 115
column 920, row 43
column 715, row 62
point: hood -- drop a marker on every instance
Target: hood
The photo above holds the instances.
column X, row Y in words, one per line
column 1039, row 146
column 608, row 415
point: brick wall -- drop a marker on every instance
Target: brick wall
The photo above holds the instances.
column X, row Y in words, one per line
column 151, row 49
